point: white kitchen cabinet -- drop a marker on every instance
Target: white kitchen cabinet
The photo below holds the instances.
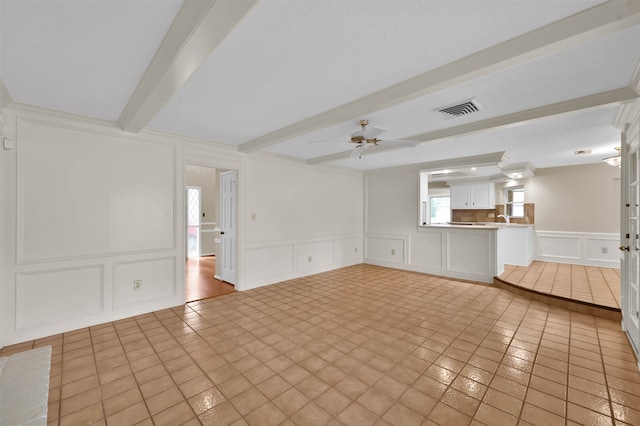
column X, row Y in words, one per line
column 473, row 196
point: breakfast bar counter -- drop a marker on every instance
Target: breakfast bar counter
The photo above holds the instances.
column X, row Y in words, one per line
column 473, row 251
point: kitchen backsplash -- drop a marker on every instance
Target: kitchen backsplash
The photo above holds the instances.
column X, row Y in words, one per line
column 491, row 215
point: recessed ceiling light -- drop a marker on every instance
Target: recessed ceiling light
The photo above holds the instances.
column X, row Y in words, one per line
column 474, row 168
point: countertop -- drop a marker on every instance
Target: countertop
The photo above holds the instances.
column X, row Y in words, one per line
column 478, row 225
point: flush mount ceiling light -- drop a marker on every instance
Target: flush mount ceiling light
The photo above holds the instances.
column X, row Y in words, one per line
column 616, row 160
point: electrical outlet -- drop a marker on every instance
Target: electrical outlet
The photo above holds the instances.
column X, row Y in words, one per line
column 605, row 250
column 137, row 285
column 309, row 259
column 393, row 252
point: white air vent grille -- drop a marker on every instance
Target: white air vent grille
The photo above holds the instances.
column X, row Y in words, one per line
column 459, row 109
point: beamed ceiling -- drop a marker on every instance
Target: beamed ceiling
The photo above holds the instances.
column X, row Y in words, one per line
column 275, row 75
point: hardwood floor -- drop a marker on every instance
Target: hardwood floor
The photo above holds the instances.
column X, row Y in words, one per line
column 200, row 280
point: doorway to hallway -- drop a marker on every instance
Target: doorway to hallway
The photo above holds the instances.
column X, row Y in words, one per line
column 210, row 218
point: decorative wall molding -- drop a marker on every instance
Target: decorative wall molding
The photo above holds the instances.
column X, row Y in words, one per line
column 77, row 292
column 272, row 262
column 581, row 248
column 60, row 141
column 390, row 249
column 158, row 277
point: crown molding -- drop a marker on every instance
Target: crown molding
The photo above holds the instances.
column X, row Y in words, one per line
column 196, row 32
column 592, row 23
column 628, row 112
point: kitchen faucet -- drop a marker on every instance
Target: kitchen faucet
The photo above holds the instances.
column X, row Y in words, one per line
column 506, row 217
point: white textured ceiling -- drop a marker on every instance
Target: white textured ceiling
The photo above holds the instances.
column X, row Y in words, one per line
column 289, row 60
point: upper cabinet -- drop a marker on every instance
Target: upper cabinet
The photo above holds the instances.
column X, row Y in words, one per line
column 473, row 196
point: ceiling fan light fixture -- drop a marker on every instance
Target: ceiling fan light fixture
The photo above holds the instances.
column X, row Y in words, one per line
column 616, row 160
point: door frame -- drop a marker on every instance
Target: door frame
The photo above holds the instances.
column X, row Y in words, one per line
column 190, row 160
column 628, row 241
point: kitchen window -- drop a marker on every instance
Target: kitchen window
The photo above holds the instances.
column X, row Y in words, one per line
column 514, row 201
column 440, row 208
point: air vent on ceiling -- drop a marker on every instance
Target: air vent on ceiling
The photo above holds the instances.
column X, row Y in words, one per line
column 583, row 152
column 459, row 109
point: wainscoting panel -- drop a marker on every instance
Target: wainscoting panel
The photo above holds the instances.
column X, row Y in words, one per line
column 46, row 297
column 348, row 251
column 388, row 249
column 157, row 278
column 427, row 249
column 579, row 248
column 314, row 255
column 465, row 253
column 268, row 262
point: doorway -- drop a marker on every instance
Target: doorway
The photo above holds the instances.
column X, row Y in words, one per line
column 205, row 248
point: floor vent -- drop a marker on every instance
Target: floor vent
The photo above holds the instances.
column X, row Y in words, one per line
column 459, row 109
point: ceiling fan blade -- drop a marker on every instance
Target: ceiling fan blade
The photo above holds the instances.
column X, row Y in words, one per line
column 372, row 132
column 403, row 143
column 356, row 151
column 328, row 141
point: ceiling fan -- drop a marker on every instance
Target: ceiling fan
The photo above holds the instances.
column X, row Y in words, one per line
column 368, row 136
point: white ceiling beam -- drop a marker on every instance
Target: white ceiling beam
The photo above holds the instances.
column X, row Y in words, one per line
column 199, row 27
column 612, row 97
column 600, row 20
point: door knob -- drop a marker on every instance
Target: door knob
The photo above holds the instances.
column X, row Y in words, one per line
column 623, row 248
column 222, row 233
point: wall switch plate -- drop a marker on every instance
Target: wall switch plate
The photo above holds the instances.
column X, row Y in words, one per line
column 137, row 285
column 393, row 252
column 605, row 250
column 252, row 216
column 356, row 249
column 309, row 259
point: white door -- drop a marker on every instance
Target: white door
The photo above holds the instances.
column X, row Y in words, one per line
column 228, row 213
column 193, row 221
column 630, row 279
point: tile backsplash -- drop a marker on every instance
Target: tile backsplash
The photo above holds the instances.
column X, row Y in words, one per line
column 491, row 215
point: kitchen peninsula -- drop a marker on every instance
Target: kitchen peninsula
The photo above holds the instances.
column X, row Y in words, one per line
column 473, row 251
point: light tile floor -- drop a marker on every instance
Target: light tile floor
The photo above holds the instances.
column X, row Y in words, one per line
column 600, row 286
column 359, row 346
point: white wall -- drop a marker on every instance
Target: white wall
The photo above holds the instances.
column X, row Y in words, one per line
column 308, row 219
column 86, row 209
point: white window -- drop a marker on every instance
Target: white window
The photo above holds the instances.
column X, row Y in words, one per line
column 514, row 201
column 440, row 208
